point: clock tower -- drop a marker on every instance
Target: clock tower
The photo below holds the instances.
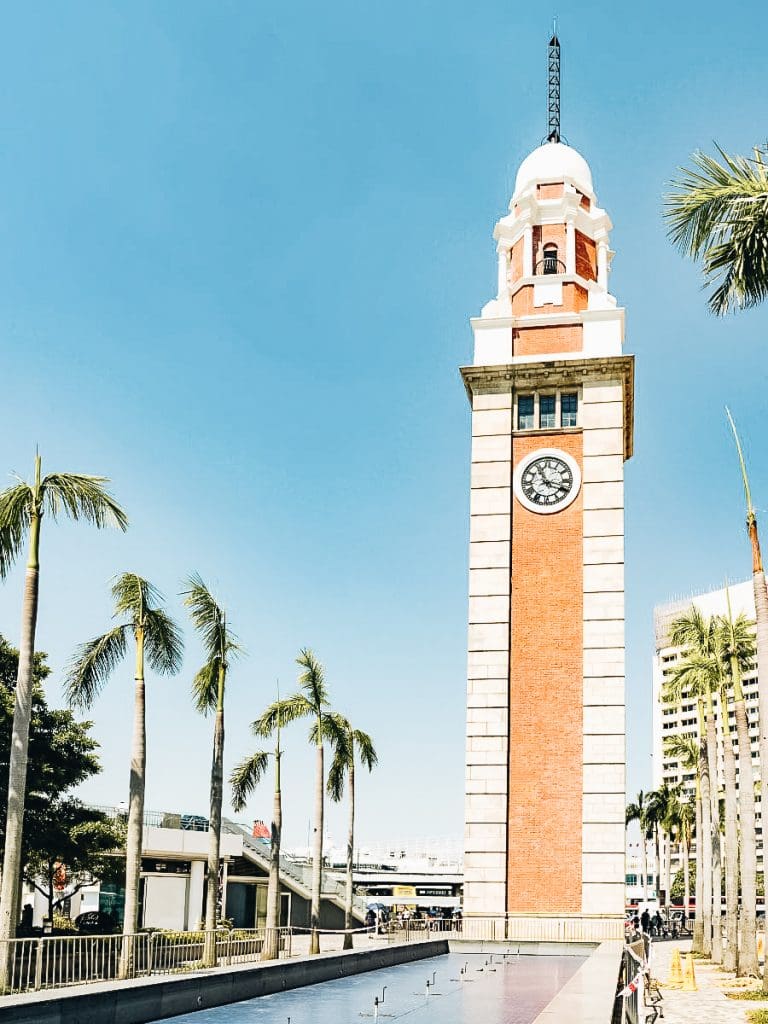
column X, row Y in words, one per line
column 552, row 398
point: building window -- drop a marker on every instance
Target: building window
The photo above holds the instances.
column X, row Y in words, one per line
column 631, row 879
column 546, row 411
column 549, row 263
column 525, row 412
column 568, row 405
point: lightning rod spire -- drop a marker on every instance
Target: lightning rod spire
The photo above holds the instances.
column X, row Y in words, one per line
column 553, row 100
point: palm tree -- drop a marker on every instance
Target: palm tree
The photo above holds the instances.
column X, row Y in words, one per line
column 244, row 779
column 761, row 615
column 355, row 742
column 208, row 690
column 731, row 951
column 156, row 638
column 685, row 748
column 636, row 812
column 681, row 815
column 22, row 508
column 657, row 808
column 739, row 649
column 717, row 212
column 310, row 702
column 698, row 675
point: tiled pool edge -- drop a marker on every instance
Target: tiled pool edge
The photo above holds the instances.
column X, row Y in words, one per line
column 589, row 996
column 149, row 999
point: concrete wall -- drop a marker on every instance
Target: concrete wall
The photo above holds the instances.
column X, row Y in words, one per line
column 150, row 999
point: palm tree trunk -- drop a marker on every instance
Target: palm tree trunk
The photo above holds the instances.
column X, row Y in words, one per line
column 271, row 949
column 698, row 920
column 644, row 860
column 17, row 770
column 706, row 848
column 761, row 617
column 731, row 952
column 686, row 881
column 667, row 871
column 214, row 828
column 317, row 847
column 717, row 863
column 350, row 857
column 657, row 863
column 135, row 831
column 748, row 930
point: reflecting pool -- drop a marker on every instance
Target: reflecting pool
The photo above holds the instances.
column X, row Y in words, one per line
column 464, row 988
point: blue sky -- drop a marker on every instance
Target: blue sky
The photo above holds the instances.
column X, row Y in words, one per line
column 239, row 246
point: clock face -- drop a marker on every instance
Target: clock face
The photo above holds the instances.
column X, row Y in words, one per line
column 547, row 480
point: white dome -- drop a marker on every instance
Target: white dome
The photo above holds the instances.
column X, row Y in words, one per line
column 554, row 161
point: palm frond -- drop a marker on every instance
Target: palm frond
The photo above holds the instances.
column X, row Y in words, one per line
column 684, row 747
column 133, row 594
column 205, row 687
column 718, row 212
column 365, row 748
column 282, row 712
column 697, row 676
column 163, row 642
column 92, row 665
column 692, row 630
column 82, row 497
column 312, row 679
column 333, row 728
column 210, row 621
column 15, row 510
column 246, row 776
column 337, row 774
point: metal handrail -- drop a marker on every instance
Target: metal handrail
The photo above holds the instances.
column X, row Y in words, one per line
column 59, row 961
column 549, row 265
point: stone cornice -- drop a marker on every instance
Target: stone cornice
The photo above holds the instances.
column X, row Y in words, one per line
column 558, row 373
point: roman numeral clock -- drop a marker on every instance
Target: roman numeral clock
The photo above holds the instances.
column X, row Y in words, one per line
column 551, row 393
column 547, row 480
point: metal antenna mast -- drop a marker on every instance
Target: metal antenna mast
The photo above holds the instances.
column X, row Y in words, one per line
column 553, row 102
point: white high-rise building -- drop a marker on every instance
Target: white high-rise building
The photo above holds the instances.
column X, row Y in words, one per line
column 669, row 719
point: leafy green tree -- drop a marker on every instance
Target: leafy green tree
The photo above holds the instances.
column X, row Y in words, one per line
column 208, row 689
column 62, row 755
column 22, row 509
column 157, row 640
column 356, row 744
column 311, row 701
column 74, row 846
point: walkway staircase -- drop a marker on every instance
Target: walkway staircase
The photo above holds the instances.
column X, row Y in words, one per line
column 297, row 877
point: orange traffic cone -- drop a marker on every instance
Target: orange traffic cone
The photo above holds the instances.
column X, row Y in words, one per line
column 675, row 971
column 689, row 976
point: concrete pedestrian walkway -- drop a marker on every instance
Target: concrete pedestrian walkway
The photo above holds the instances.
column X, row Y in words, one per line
column 709, row 1005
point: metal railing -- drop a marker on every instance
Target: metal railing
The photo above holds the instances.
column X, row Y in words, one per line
column 60, row 961
column 508, row 928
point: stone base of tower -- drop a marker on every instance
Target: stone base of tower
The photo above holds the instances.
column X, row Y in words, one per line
column 543, row 927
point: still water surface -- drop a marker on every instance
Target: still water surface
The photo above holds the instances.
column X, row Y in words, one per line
column 467, row 990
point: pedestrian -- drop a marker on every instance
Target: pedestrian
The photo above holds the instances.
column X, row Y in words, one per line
column 645, row 921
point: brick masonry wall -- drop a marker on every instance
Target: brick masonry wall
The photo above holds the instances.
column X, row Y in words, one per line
column 586, row 257
column 535, row 341
column 546, row 697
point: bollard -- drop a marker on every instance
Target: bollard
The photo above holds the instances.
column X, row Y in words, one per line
column 689, row 976
column 675, row 971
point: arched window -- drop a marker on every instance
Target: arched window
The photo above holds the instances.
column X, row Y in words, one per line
column 550, row 261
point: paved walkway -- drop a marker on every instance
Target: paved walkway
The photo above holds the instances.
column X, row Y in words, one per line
column 709, row 1005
